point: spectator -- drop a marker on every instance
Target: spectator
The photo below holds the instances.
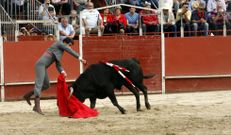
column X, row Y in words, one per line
column 107, row 20
column 45, row 10
column 212, row 8
column 79, row 5
column 50, row 37
column 149, row 19
column 4, row 36
column 65, row 29
column 199, row 20
column 168, row 4
column 62, row 7
column 194, row 4
column 218, row 19
column 92, row 20
column 119, row 23
column 74, row 21
column 171, row 5
column 24, row 32
column 183, row 18
column 212, row 5
column 19, row 9
column 168, row 21
column 132, row 20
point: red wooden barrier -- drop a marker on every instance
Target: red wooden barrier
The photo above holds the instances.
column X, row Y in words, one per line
column 199, row 56
column 20, row 58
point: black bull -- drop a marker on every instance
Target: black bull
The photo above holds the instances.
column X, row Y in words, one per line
column 100, row 80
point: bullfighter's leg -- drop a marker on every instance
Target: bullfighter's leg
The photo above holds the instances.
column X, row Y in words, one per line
column 39, row 81
column 46, row 82
column 137, row 95
column 46, row 85
column 92, row 102
column 143, row 88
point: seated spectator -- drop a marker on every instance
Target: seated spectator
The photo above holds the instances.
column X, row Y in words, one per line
column 149, row 19
column 107, row 20
column 183, row 18
column 199, row 20
column 194, row 4
column 24, row 32
column 4, row 36
column 92, row 20
column 74, row 21
column 50, row 37
column 65, row 29
column 212, row 8
column 132, row 20
column 79, row 5
column 119, row 22
column 218, row 19
column 212, row 5
column 168, row 22
column 45, row 10
column 62, row 7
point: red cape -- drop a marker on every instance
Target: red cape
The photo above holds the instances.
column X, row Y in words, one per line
column 71, row 107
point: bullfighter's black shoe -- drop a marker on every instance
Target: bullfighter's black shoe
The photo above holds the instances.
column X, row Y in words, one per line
column 37, row 105
column 27, row 97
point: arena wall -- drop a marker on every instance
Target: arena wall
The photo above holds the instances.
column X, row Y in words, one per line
column 198, row 64
column 192, row 64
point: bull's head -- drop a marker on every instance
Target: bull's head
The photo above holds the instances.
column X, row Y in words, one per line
column 71, row 90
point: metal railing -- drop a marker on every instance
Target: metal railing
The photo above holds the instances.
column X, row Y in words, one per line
column 7, row 26
column 27, row 10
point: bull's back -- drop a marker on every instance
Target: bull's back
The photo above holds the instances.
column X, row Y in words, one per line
column 133, row 65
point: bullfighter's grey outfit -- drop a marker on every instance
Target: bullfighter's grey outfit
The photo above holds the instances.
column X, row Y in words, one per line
column 52, row 54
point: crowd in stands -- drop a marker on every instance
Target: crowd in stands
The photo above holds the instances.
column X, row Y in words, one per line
column 196, row 17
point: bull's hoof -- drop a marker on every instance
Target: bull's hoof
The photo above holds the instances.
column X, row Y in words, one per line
column 139, row 110
column 148, row 106
column 123, row 111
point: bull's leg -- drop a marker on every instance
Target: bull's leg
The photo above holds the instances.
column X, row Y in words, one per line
column 137, row 95
column 92, row 102
column 144, row 90
column 115, row 103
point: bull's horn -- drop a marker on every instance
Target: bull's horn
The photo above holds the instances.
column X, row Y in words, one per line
column 71, row 92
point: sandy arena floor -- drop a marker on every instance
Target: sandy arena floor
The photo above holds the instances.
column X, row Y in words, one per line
column 203, row 113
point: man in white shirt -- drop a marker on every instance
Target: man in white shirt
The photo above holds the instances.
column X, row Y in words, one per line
column 92, row 20
column 66, row 29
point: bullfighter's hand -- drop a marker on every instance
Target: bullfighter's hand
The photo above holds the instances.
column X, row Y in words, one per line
column 83, row 61
column 64, row 74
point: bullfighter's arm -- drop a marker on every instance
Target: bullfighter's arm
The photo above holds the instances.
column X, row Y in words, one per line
column 69, row 50
column 59, row 66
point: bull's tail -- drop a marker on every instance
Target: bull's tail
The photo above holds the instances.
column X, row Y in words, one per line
column 147, row 76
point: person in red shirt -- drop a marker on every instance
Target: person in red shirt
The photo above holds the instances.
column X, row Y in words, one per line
column 107, row 20
column 119, row 21
column 149, row 20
